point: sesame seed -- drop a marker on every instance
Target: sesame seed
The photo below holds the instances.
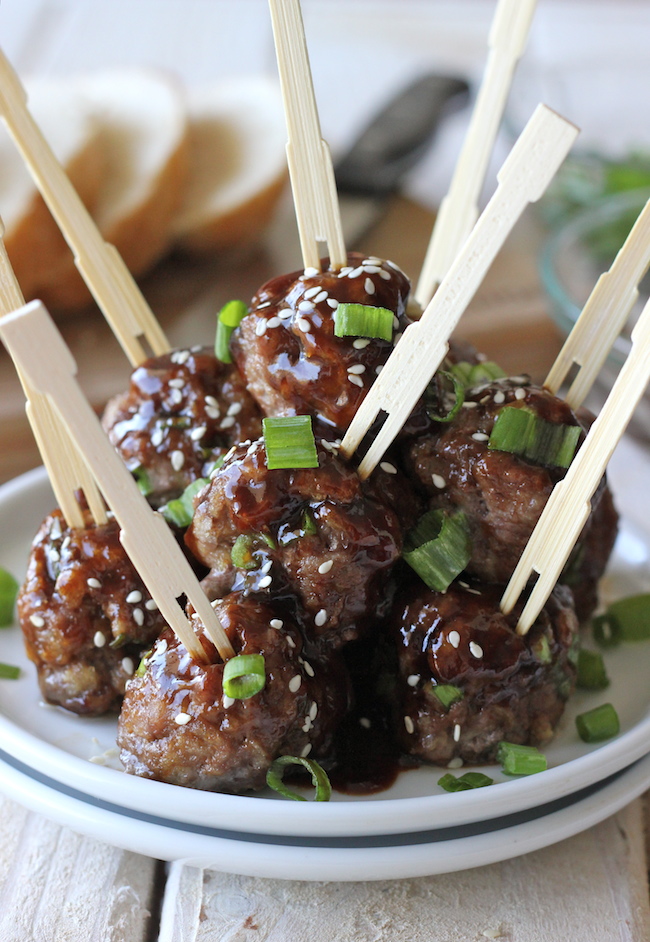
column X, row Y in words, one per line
column 133, row 597
column 311, row 272
column 290, row 641
column 465, row 585
column 388, row 467
column 211, row 401
column 312, row 292
column 176, row 383
column 438, row 481
column 520, row 393
column 263, row 304
column 180, row 356
column 55, row 529
column 176, row 396
column 355, row 380
column 370, row 269
column 325, row 567
column 197, row 433
column 177, row 459
column 66, row 542
column 321, row 618
column 303, row 324
column 273, row 322
column 345, row 271
column 305, row 752
column 456, row 732
column 260, row 327
column 499, row 397
column 138, row 616
column 357, row 369
column 369, row 285
column 476, row 649
column 309, row 670
column 413, row 680
column 266, row 567
column 276, row 623
column 234, row 409
column 480, row 437
column 161, row 646
column 518, row 379
column 54, row 555
column 361, row 343
column 454, row 639
column 408, row 723
column 227, row 701
column 473, row 591
column 294, row 683
column 265, row 582
column 150, row 605
column 39, row 622
column 211, row 412
column 93, row 583
column 470, row 405
column 99, row 640
column 128, row 666
column 365, row 722
column 320, row 297
column 306, row 306
column 181, row 719
column 333, row 303
column 228, row 422
column 384, row 274
column 455, row 763
column 285, row 313
column 307, row 725
column 355, row 272
column 313, row 710
column 157, row 437
column 379, row 368
column 396, row 339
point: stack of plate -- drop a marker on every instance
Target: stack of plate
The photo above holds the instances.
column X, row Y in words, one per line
column 412, row 829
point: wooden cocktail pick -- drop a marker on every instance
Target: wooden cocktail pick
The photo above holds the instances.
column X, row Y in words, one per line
column 308, row 156
column 100, row 264
column 459, row 209
column 523, row 178
column 65, row 467
column 568, row 507
column 40, row 354
column 604, row 315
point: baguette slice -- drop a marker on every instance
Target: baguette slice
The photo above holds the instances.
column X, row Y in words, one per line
column 141, row 114
column 237, row 164
column 34, row 244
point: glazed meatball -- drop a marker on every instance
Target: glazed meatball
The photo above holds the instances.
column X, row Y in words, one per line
column 512, row 688
column 310, row 533
column 178, row 726
column 501, row 493
column 286, row 347
column 85, row 614
column 182, row 411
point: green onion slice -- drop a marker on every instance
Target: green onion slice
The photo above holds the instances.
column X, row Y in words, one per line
column 9, row 672
column 632, row 617
column 464, row 782
column 438, row 548
column 8, row 593
column 142, row 666
column 598, row 724
column 472, row 374
column 143, row 481
column 229, row 317
column 289, row 442
column 309, row 524
column 448, row 694
column 244, row 676
column 362, row 320
column 520, row 760
column 453, row 397
column 606, row 631
column 180, row 511
column 523, row 433
column 319, row 778
column 591, row 670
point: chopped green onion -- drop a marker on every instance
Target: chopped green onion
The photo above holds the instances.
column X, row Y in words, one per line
column 438, row 548
column 520, row 760
column 434, row 395
column 244, row 676
column 289, row 442
column 242, row 552
column 632, row 617
column 309, row 524
column 229, row 317
column 591, row 670
column 181, row 510
column 9, row 672
column 142, row 666
column 598, row 724
column 523, row 433
column 319, row 778
column 216, row 465
column 542, row 649
column 448, row 694
column 8, row 593
column 119, row 641
column 362, row 320
column 606, row 631
column 143, row 481
column 471, row 374
column 464, row 782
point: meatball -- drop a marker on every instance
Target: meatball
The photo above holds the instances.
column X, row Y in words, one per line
column 85, row 614
column 287, row 350
column 511, row 687
column 182, row 411
column 178, row 726
column 501, row 493
column 309, row 533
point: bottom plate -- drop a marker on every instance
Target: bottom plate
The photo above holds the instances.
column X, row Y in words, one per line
column 443, row 850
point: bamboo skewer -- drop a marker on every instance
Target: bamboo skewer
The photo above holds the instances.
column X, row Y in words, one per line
column 308, row 156
column 100, row 264
column 65, row 467
column 38, row 349
column 523, row 178
column 604, row 315
column 459, row 209
column 568, row 507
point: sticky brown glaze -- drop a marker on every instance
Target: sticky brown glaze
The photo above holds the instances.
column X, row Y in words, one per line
column 84, row 615
column 176, row 725
column 502, row 494
column 287, row 350
column 181, row 412
column 514, row 688
column 316, row 536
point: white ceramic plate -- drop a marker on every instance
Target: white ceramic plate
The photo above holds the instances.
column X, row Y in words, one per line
column 358, row 858
column 58, row 744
